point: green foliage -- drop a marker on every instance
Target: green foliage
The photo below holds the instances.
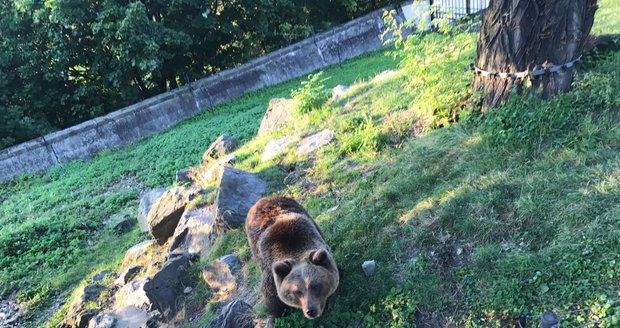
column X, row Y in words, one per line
column 312, row 93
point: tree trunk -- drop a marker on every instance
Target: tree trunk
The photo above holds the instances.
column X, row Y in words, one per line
column 528, row 35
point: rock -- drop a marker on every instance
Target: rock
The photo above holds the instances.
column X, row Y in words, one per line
column 132, row 317
column 194, row 233
column 133, row 295
column 209, row 173
column 223, row 145
column 275, row 147
column 165, row 287
column 220, row 274
column 278, row 114
column 10, row 313
column 166, row 213
column 139, row 254
column 80, row 310
column 128, row 275
column 237, row 192
column 369, row 267
column 123, row 224
column 339, row 91
column 182, row 176
column 106, row 320
column 101, row 275
column 187, row 290
column 237, row 314
column 315, row 141
column 146, row 201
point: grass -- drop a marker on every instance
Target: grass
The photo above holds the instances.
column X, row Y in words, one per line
column 470, row 223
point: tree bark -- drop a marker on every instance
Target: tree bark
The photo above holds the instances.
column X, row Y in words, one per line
column 522, row 35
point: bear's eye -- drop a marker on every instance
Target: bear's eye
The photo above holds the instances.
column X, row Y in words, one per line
column 298, row 293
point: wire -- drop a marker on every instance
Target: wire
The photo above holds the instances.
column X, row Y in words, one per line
column 599, row 321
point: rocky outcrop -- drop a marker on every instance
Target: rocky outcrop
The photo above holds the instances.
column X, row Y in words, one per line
column 165, row 288
column 166, row 213
column 237, row 314
column 237, row 192
column 311, row 143
column 223, row 145
column 278, row 114
column 146, row 202
column 208, row 173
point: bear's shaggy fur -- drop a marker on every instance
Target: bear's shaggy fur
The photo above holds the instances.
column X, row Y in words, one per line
column 297, row 267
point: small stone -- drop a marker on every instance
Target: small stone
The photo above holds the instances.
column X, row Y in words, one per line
column 339, row 91
column 223, row 145
column 311, row 143
column 187, row 290
column 128, row 275
column 182, row 176
column 369, row 267
column 275, row 147
column 123, row 225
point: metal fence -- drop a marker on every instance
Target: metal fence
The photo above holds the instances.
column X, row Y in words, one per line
column 453, row 9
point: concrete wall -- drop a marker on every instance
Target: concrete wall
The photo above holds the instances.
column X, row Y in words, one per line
column 158, row 113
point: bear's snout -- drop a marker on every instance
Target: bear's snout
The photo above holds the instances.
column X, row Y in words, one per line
column 311, row 313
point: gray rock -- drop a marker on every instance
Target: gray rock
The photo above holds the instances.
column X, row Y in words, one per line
column 79, row 313
column 207, row 174
column 133, row 294
column 106, row 320
column 166, row 213
column 164, row 289
column 132, row 317
column 278, row 114
column 220, row 274
column 223, row 145
column 146, row 202
column 339, row 91
column 369, row 267
column 123, row 224
column 237, row 192
column 311, row 143
column 194, row 233
column 138, row 254
column 275, row 147
column 101, row 275
column 237, row 314
column 182, row 176
column 128, row 275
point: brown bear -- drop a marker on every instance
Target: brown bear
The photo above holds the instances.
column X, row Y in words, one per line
column 297, row 267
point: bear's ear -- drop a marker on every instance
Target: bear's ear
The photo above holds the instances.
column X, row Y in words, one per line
column 319, row 257
column 282, row 268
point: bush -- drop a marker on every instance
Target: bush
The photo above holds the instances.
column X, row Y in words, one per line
column 312, row 94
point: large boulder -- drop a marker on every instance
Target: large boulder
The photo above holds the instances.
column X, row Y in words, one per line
column 221, row 274
column 165, row 288
column 238, row 191
column 275, row 147
column 278, row 114
column 146, row 202
column 194, row 233
column 223, row 145
column 311, row 143
column 237, row 314
column 166, row 213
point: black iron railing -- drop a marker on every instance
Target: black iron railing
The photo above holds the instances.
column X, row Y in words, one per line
column 453, row 9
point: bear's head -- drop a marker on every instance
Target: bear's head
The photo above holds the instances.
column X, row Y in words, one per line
column 306, row 284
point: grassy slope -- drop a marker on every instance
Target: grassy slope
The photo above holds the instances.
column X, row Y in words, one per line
column 530, row 199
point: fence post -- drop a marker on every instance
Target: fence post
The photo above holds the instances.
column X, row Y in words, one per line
column 549, row 320
column 468, row 7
